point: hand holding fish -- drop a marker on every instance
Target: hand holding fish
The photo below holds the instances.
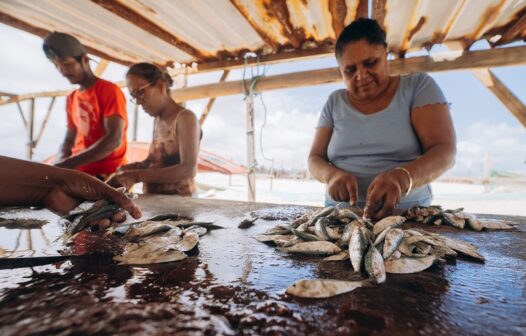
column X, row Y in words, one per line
column 384, row 193
column 75, row 187
column 124, row 179
column 343, row 187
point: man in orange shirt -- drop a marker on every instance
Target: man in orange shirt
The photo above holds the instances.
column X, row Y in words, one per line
column 95, row 140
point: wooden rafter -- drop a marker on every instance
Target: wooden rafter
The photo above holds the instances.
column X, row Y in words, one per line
column 506, row 97
column 127, row 13
column 19, row 24
column 212, row 100
column 101, row 67
column 281, row 57
column 468, row 60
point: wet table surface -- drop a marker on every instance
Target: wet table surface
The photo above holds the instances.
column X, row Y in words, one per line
column 235, row 284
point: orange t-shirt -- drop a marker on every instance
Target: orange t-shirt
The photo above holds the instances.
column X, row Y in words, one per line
column 86, row 111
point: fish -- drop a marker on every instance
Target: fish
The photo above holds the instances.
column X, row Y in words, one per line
column 278, row 230
column 322, row 288
column 463, row 247
column 380, row 238
column 453, row 220
column 298, row 221
column 422, row 248
column 495, row 224
column 201, row 231
column 346, row 235
column 392, row 240
column 374, row 265
column 146, row 228
column 304, row 235
column 313, row 248
column 264, row 238
column 246, row 223
column 405, row 265
column 344, row 255
column 322, row 213
column 155, row 257
column 388, row 222
column 347, row 214
column 357, row 247
column 320, row 230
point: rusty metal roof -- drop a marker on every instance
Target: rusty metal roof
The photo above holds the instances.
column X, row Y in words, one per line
column 216, row 32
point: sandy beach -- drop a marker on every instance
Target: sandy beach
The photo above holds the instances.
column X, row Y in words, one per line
column 472, row 197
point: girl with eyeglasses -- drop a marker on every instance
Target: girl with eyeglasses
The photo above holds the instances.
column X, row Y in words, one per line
column 171, row 164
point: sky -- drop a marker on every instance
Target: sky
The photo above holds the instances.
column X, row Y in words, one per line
column 486, row 130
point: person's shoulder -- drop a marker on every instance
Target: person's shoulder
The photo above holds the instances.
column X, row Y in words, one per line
column 416, row 78
column 186, row 115
column 337, row 95
column 105, row 85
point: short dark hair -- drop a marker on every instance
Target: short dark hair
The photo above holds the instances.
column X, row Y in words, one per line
column 152, row 73
column 361, row 29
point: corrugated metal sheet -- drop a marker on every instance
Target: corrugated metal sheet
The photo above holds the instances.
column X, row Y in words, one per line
column 202, row 31
column 413, row 24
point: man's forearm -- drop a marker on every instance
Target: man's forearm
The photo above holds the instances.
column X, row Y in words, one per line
column 96, row 152
column 26, row 183
column 168, row 174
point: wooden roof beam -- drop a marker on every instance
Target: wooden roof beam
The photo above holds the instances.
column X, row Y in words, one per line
column 506, row 97
column 468, row 60
column 19, row 24
column 138, row 20
column 282, row 57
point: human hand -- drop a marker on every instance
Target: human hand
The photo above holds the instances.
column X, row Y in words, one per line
column 384, row 194
column 132, row 166
column 75, row 187
column 65, row 163
column 124, row 179
column 342, row 187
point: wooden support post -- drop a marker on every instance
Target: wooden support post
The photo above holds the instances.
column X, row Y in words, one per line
column 495, row 85
column 251, row 152
column 101, row 67
column 44, row 123
column 21, row 114
column 212, row 100
column 30, row 129
column 135, row 122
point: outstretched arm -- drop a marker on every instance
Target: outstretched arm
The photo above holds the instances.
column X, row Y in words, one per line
column 114, row 127
column 60, row 190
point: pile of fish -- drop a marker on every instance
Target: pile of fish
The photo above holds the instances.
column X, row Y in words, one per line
column 152, row 242
column 377, row 249
column 435, row 215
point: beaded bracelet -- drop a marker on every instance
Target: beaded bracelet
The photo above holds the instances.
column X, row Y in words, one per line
column 410, row 180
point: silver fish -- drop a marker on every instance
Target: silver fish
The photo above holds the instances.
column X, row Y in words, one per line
column 320, row 228
column 357, row 247
column 392, row 240
column 304, row 235
column 388, row 222
column 322, row 288
column 344, row 255
column 313, row 248
column 374, row 265
column 453, row 220
column 405, row 265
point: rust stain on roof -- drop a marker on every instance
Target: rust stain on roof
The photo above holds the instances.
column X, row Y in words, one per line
column 338, row 10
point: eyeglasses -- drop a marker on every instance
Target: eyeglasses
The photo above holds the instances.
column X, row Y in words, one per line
column 138, row 94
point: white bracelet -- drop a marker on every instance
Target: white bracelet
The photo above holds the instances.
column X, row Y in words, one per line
column 410, row 180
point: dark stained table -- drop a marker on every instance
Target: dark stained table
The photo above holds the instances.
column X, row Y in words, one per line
column 235, row 285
